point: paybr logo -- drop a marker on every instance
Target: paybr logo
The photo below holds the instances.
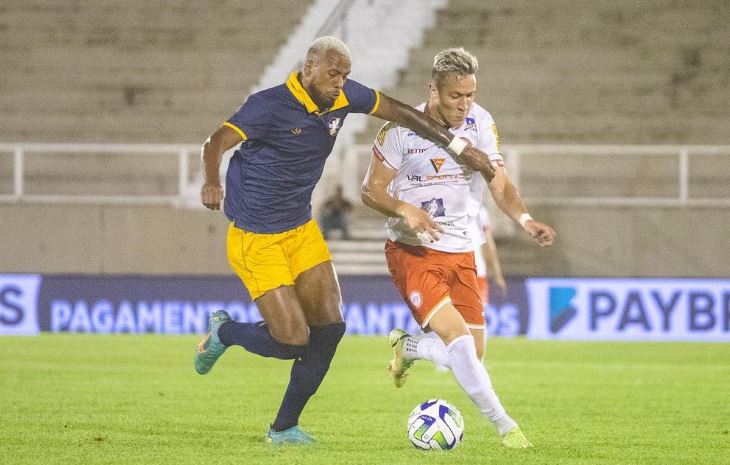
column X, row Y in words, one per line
column 561, row 307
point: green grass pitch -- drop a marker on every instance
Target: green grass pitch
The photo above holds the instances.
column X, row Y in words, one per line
column 90, row 399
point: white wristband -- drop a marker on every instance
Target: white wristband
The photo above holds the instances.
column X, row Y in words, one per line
column 456, row 146
column 524, row 218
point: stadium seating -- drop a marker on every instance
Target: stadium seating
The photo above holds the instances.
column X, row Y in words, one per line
column 625, row 72
column 127, row 72
column 132, row 71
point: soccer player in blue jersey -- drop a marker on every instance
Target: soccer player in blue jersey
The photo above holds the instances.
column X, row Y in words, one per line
column 274, row 246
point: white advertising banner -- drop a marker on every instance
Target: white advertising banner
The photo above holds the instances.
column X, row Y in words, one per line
column 18, row 304
column 629, row 309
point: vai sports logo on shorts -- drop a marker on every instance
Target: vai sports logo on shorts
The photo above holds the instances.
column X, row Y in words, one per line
column 434, row 207
column 19, row 304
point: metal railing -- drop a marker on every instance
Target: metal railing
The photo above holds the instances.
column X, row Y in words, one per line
column 518, row 159
column 515, row 158
column 20, row 151
column 354, row 163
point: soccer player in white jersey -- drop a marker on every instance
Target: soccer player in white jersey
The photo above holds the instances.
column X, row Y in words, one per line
column 431, row 197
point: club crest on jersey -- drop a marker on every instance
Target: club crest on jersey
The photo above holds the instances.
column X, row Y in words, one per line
column 436, row 163
column 415, row 298
column 334, row 126
column 384, row 131
column 470, row 124
column 434, row 207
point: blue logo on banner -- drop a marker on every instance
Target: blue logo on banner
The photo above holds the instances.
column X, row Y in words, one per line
column 630, row 309
column 561, row 307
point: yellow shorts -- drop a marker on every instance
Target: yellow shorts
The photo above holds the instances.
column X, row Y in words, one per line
column 267, row 261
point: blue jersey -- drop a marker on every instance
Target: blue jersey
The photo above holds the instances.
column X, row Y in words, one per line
column 272, row 175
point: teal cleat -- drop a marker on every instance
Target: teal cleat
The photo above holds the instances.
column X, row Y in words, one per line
column 211, row 347
column 400, row 364
column 515, row 439
column 292, row 436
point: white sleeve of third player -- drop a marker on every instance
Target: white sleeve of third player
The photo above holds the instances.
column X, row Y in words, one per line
column 388, row 147
column 484, row 217
column 489, row 139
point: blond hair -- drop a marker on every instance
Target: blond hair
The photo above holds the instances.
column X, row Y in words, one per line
column 322, row 45
column 453, row 60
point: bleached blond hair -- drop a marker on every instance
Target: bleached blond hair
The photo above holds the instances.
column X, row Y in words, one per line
column 453, row 60
column 322, row 45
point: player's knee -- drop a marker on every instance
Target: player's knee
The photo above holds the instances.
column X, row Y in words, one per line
column 449, row 333
column 327, row 337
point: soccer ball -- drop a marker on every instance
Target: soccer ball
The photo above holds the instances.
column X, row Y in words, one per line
column 435, row 425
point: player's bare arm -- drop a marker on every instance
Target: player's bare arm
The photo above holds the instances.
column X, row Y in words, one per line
column 396, row 111
column 374, row 194
column 212, row 151
column 490, row 254
column 508, row 199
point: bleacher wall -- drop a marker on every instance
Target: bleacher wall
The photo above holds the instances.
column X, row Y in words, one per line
column 597, row 241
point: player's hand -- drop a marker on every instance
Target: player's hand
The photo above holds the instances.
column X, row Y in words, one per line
column 211, row 195
column 542, row 233
column 421, row 223
column 501, row 285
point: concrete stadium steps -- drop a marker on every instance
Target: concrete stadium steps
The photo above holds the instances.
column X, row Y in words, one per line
column 127, row 126
column 625, row 72
column 6, row 173
column 140, row 23
column 358, row 256
column 98, row 68
column 162, row 105
column 142, row 72
column 708, row 177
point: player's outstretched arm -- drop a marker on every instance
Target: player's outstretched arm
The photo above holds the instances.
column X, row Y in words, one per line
column 494, row 266
column 508, row 199
column 391, row 109
column 211, row 193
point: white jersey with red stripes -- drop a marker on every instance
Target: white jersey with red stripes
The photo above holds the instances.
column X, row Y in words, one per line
column 431, row 179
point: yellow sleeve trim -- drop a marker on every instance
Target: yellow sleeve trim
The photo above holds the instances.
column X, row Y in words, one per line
column 377, row 103
column 237, row 129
